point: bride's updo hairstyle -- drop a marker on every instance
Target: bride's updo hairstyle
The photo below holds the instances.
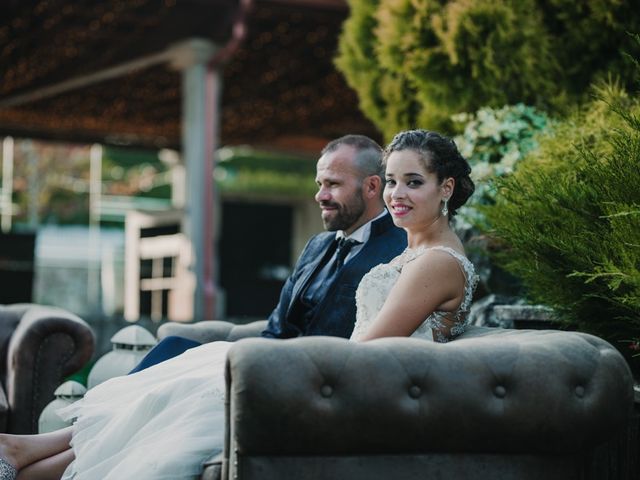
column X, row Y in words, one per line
column 439, row 155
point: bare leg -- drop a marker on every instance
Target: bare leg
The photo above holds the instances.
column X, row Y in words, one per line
column 50, row 468
column 23, row 450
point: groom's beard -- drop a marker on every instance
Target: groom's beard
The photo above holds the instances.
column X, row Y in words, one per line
column 346, row 215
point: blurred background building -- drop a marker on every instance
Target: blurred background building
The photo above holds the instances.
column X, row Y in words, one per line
column 191, row 125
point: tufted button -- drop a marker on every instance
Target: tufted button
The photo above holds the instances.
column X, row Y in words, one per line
column 500, row 391
column 414, row 391
column 579, row 391
column 326, row 391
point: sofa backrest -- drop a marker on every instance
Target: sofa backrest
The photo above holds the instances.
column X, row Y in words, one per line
column 212, row 330
column 542, row 393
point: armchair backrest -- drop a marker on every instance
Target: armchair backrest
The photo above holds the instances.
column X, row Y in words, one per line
column 10, row 316
column 41, row 346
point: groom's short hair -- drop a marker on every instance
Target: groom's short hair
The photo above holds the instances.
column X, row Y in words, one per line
column 368, row 157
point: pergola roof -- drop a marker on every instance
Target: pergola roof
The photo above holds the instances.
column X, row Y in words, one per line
column 280, row 87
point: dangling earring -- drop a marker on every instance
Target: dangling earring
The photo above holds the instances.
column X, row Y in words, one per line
column 445, row 208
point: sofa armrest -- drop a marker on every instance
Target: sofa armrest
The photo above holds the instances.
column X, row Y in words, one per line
column 543, row 392
column 47, row 345
column 212, row 330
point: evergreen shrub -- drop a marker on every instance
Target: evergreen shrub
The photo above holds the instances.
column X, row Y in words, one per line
column 568, row 219
column 414, row 63
column 385, row 96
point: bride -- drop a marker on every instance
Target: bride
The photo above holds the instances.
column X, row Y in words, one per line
column 165, row 421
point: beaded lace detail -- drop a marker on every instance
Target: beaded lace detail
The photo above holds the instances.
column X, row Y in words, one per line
column 376, row 285
column 7, row 471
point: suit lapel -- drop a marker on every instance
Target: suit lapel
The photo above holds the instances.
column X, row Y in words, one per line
column 318, row 257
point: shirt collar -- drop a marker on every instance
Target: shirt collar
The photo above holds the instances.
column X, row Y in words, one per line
column 362, row 233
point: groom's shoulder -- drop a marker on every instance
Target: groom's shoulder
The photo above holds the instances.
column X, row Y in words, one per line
column 323, row 237
column 385, row 228
column 320, row 240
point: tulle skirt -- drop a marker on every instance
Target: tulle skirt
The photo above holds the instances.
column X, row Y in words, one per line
column 160, row 423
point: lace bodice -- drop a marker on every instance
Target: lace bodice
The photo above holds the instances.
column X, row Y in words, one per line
column 375, row 286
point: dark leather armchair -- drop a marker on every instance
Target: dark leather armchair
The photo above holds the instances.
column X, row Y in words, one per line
column 39, row 347
column 494, row 403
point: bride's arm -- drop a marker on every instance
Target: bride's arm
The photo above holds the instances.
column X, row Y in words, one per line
column 433, row 281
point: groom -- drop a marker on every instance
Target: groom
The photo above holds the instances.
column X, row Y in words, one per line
column 318, row 298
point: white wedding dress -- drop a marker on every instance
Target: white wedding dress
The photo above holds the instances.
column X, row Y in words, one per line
column 165, row 421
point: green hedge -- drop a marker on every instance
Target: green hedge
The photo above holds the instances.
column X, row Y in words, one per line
column 414, row 63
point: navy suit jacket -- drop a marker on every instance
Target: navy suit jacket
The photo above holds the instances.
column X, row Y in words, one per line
column 336, row 313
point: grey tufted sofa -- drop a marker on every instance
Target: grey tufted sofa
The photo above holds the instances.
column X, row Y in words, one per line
column 39, row 347
column 493, row 404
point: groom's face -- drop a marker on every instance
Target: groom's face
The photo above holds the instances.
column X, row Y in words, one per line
column 340, row 190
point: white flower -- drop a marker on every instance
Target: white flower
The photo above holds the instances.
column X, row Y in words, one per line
column 482, row 171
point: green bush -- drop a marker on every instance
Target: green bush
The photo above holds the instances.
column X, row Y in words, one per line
column 385, row 96
column 568, row 219
column 414, row 63
column 494, row 140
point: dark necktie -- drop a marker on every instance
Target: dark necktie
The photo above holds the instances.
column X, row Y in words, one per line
column 342, row 251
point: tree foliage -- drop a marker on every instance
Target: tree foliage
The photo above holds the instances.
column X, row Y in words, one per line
column 414, row 63
column 385, row 96
column 569, row 217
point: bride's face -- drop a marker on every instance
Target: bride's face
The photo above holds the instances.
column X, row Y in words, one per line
column 412, row 194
